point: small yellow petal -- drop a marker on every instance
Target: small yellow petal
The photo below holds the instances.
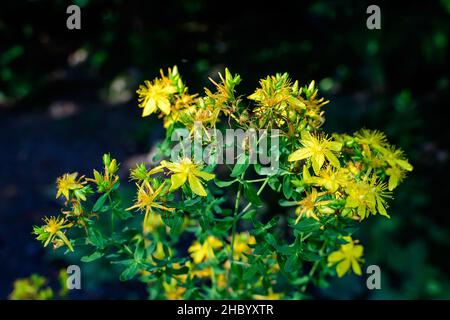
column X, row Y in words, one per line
column 177, row 179
column 300, row 154
column 343, row 267
column 196, row 186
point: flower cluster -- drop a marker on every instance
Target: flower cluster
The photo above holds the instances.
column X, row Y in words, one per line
column 199, row 239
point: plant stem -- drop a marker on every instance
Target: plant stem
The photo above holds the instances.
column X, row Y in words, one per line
column 314, row 268
column 112, row 213
column 236, row 217
column 266, row 180
column 256, row 180
column 233, row 230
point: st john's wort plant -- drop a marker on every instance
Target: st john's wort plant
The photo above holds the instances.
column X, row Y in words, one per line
column 200, row 229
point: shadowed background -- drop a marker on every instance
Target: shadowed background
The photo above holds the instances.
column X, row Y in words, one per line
column 68, row 96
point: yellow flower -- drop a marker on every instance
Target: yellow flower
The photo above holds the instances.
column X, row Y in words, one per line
column 367, row 197
column 313, row 104
column 309, row 205
column 141, row 174
column 51, row 231
column 275, row 91
column 278, row 104
column 153, row 222
column 202, row 115
column 225, row 90
column 205, row 251
column 156, row 95
column 396, row 175
column 330, row 178
column 173, row 291
column 31, row 288
column 68, row 182
column 187, row 170
column 348, row 255
column 373, row 138
column 182, row 103
column 269, row 296
column 241, row 245
column 317, row 149
column 146, row 197
column 159, row 252
column 396, row 157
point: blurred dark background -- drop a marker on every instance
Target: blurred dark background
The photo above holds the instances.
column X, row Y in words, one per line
column 68, row 96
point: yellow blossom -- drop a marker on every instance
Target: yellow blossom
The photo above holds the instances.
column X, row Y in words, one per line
column 395, row 157
column 241, row 245
column 155, row 95
column 367, row 197
column 396, row 175
column 187, row 170
column 146, row 200
column 330, row 178
column 204, row 251
column 32, row 288
column 68, row 182
column 173, row 291
column 309, row 205
column 52, row 231
column 153, row 222
column 348, row 255
column 269, row 296
column 373, row 138
column 182, row 103
column 318, row 149
column 313, row 105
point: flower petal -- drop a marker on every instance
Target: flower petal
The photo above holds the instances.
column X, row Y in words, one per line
column 178, row 179
column 196, row 186
column 204, row 175
column 300, row 154
column 343, row 267
column 332, row 158
column 149, row 108
column 335, row 257
column 356, row 268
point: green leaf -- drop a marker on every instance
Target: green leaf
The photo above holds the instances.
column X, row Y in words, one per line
column 270, row 239
column 139, row 252
column 287, row 186
column 251, row 195
column 173, row 221
column 300, row 281
column 240, row 167
column 306, row 225
column 223, row 184
column 100, row 202
column 274, row 183
column 129, row 272
column 286, row 203
column 96, row 238
column 94, row 256
column 250, row 273
column 291, row 264
column 311, row 256
column 249, row 214
column 115, row 186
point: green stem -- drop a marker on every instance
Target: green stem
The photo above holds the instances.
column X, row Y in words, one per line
column 314, row 268
column 233, row 230
column 112, row 213
column 266, row 180
column 256, row 180
column 236, row 217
